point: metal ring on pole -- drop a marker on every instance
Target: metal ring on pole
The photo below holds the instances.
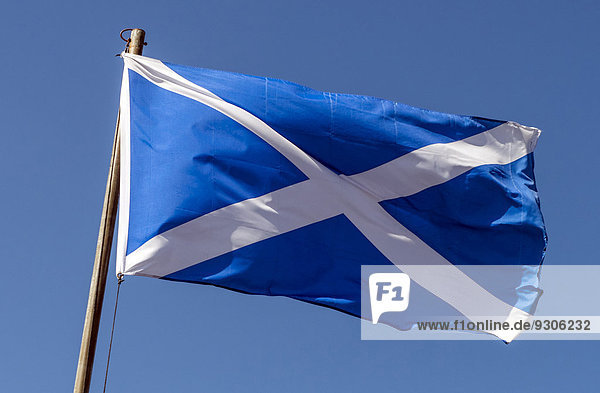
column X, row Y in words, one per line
column 123, row 38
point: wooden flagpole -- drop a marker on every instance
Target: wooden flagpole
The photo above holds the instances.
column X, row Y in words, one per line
column 103, row 247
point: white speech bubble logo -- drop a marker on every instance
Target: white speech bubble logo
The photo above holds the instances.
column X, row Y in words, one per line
column 388, row 292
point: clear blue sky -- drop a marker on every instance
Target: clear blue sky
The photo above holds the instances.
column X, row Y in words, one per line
column 534, row 62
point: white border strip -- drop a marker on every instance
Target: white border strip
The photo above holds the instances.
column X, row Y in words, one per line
column 124, row 194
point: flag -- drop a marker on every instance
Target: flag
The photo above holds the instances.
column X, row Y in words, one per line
column 268, row 187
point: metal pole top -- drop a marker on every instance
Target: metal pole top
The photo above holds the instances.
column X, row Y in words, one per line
column 135, row 42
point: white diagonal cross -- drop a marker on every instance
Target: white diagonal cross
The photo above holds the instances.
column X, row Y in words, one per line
column 325, row 195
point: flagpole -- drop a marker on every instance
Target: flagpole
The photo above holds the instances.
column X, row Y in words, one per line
column 103, row 247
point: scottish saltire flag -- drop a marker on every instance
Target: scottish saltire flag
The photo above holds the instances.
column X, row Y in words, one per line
column 267, row 187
